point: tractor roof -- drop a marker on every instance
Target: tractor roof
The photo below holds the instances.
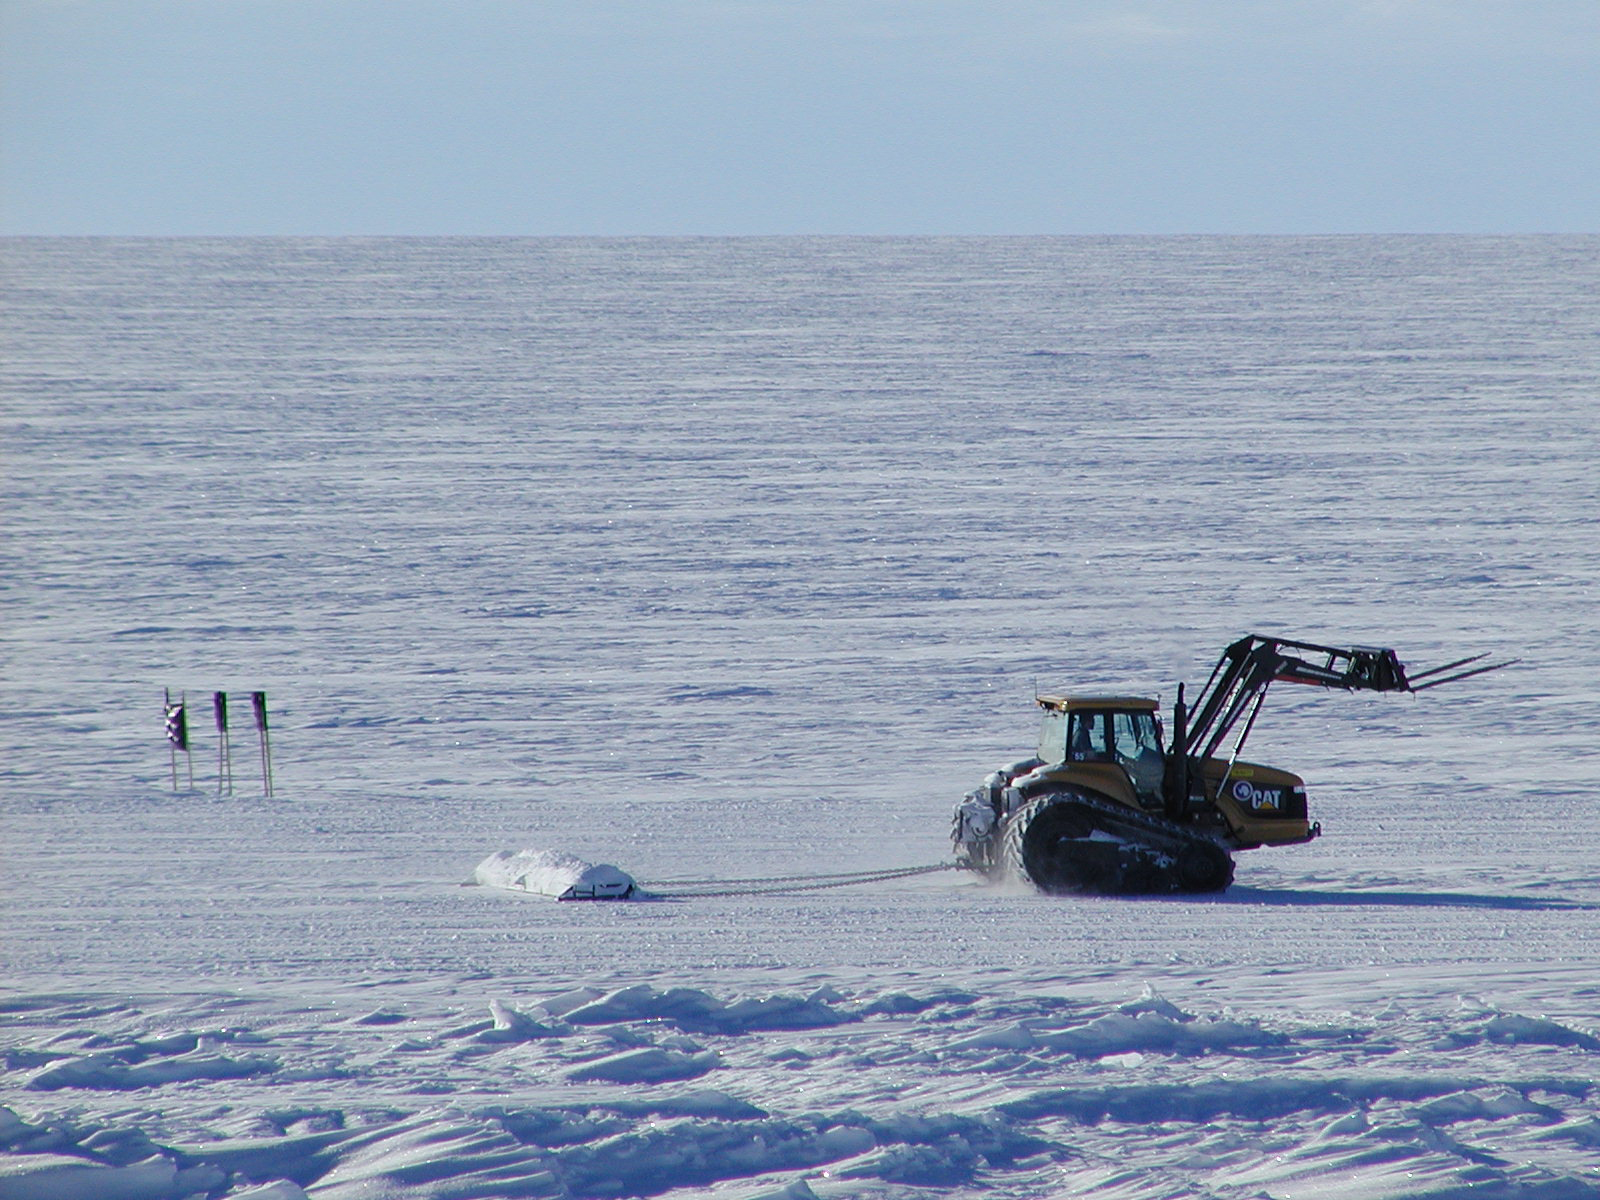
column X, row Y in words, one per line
column 1073, row 703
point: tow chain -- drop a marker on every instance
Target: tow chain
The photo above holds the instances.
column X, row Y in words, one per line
column 781, row 884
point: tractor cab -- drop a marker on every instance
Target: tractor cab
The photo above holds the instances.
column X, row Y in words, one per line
column 1118, row 731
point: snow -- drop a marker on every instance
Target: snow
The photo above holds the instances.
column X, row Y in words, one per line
column 739, row 561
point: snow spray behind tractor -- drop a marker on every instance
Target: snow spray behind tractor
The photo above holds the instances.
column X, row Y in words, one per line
column 1104, row 807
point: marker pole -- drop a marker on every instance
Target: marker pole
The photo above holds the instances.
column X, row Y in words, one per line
column 177, row 735
column 258, row 702
column 219, row 708
column 188, row 753
column 172, row 742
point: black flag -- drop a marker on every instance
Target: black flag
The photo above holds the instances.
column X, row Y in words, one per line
column 219, row 705
column 258, row 702
column 177, row 726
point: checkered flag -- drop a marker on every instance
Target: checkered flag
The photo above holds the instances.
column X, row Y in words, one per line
column 177, row 726
column 177, row 735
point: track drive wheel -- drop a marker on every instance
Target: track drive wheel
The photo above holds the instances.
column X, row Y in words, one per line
column 1204, row 867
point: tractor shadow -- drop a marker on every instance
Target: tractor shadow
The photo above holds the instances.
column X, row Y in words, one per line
column 1299, row 897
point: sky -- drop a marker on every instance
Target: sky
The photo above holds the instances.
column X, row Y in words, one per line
column 622, row 117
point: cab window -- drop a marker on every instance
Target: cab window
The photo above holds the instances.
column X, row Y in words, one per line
column 1137, row 738
column 1136, row 734
column 1053, row 737
column 1086, row 737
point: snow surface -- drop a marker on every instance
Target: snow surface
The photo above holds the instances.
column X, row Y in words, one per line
column 737, row 560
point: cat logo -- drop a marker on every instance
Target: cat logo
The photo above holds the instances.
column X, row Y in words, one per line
column 1258, row 798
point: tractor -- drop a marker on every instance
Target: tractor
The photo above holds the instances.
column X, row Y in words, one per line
column 1105, row 807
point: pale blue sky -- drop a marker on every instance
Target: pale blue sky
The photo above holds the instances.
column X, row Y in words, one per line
column 798, row 116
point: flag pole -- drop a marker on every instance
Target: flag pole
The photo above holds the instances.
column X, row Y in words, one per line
column 177, row 734
column 258, row 702
column 188, row 753
column 172, row 744
column 219, row 707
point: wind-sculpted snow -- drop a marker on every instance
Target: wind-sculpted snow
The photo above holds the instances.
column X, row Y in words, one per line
column 733, row 561
column 610, row 1094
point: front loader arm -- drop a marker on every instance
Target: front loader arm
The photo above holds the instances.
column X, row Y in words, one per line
column 1252, row 663
column 1247, row 668
column 1240, row 679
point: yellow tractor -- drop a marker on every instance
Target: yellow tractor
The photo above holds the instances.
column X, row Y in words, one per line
column 1105, row 807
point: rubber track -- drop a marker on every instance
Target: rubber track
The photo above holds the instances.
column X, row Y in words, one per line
column 1108, row 869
